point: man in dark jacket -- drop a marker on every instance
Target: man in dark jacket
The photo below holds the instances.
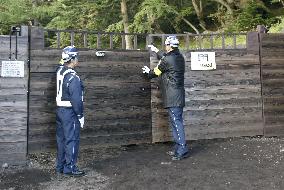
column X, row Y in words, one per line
column 69, row 113
column 170, row 70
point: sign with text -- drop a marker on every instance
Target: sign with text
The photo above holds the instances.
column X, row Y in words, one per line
column 13, row 69
column 203, row 61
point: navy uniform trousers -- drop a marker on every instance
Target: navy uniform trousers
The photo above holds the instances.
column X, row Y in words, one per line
column 176, row 123
column 67, row 136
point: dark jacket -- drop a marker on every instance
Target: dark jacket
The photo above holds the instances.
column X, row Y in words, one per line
column 171, row 80
column 72, row 90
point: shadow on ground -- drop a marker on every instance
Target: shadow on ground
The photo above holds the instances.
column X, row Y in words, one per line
column 229, row 164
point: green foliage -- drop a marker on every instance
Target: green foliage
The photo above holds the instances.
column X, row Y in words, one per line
column 253, row 14
column 278, row 27
column 150, row 11
column 14, row 12
column 145, row 16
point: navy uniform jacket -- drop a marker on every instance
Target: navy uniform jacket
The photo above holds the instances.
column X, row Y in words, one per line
column 70, row 92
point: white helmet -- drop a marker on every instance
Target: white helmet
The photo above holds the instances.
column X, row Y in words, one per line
column 68, row 53
column 172, row 41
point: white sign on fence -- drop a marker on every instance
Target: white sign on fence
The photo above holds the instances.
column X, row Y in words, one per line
column 203, row 61
column 13, row 69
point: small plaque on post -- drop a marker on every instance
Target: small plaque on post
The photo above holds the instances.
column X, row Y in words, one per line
column 13, row 69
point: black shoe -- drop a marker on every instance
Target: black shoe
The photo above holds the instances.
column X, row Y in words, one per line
column 180, row 157
column 171, row 153
column 77, row 173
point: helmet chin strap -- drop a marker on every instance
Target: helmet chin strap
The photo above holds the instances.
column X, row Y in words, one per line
column 169, row 48
column 73, row 63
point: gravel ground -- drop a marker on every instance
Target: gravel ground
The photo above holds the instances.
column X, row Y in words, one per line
column 229, row 164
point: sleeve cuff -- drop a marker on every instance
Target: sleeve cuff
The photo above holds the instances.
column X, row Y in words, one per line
column 79, row 116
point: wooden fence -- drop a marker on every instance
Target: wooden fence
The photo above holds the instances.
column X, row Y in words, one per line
column 221, row 103
column 117, row 98
column 242, row 97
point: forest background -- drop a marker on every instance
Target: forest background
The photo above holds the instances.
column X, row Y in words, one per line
column 145, row 16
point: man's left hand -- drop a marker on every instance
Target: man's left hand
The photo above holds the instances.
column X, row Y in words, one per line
column 82, row 122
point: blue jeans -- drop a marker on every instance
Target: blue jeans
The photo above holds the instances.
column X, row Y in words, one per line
column 67, row 136
column 176, row 123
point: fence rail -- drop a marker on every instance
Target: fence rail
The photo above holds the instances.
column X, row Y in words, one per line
column 91, row 39
column 110, row 40
column 204, row 41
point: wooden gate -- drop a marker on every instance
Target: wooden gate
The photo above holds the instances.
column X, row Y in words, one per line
column 272, row 77
column 117, row 98
column 221, row 103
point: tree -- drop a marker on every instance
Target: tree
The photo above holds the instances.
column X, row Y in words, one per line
column 13, row 14
column 226, row 4
column 142, row 16
column 151, row 11
column 198, row 7
column 125, row 21
column 253, row 14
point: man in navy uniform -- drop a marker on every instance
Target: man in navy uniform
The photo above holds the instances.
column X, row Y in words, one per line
column 170, row 71
column 69, row 113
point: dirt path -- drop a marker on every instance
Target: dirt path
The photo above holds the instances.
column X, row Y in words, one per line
column 229, row 164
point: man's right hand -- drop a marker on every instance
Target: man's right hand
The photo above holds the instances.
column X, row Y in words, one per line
column 146, row 69
column 153, row 48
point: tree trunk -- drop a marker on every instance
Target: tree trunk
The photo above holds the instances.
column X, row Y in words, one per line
column 126, row 24
column 226, row 4
column 191, row 25
column 35, row 4
column 199, row 13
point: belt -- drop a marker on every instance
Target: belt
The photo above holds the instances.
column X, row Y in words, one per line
column 64, row 107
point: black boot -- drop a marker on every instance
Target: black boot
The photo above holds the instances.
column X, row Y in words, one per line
column 76, row 173
column 171, row 153
column 180, row 157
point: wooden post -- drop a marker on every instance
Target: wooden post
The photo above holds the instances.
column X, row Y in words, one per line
column 85, row 40
column 58, row 39
column 187, row 41
column 13, row 103
column 37, row 36
column 235, row 41
column 163, row 40
column 72, row 38
column 99, row 41
column 252, row 42
column 135, row 41
column 110, row 41
column 123, row 41
column 211, row 41
column 223, row 41
column 261, row 29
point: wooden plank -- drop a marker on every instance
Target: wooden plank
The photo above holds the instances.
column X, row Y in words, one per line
column 91, row 141
column 273, row 81
column 13, row 136
column 13, row 158
column 274, row 130
column 12, row 148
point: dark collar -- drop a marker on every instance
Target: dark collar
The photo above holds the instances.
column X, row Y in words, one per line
column 173, row 52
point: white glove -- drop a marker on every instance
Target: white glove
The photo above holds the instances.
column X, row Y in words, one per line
column 146, row 69
column 82, row 121
column 153, row 48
